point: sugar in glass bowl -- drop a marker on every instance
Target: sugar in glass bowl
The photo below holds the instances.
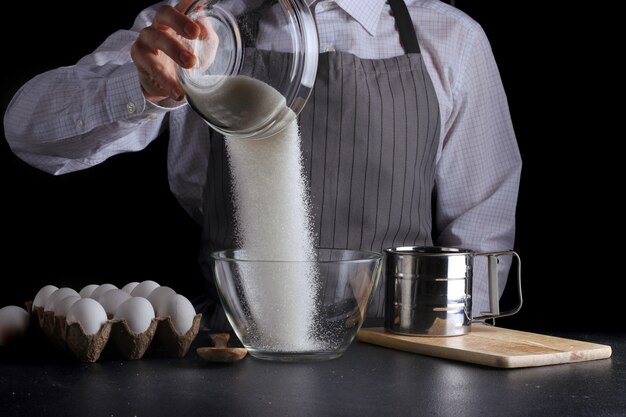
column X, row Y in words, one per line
column 297, row 310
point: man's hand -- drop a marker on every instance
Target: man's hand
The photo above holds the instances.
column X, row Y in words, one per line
column 158, row 50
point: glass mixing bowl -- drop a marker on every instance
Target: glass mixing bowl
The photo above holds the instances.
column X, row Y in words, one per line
column 297, row 310
column 256, row 64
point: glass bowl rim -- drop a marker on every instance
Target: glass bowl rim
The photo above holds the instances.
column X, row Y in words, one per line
column 368, row 256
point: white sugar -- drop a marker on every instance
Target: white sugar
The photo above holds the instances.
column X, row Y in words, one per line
column 272, row 216
column 236, row 104
column 271, row 196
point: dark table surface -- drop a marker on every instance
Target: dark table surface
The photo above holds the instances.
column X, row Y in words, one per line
column 368, row 380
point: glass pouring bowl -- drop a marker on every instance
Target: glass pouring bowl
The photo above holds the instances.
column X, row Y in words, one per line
column 256, row 64
column 297, row 310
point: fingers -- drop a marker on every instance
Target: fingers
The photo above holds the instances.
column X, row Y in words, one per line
column 158, row 49
column 157, row 75
column 201, row 31
column 152, row 40
column 168, row 17
column 156, row 54
column 185, row 4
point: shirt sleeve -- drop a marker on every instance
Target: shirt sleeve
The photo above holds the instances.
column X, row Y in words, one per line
column 73, row 117
column 478, row 174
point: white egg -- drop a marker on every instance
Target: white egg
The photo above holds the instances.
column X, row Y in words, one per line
column 144, row 288
column 62, row 306
column 86, row 291
column 56, row 296
column 111, row 299
column 101, row 290
column 138, row 313
column 14, row 323
column 181, row 312
column 43, row 294
column 159, row 295
column 130, row 286
column 89, row 313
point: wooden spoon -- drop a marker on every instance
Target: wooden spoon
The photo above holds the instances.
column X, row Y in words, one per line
column 219, row 350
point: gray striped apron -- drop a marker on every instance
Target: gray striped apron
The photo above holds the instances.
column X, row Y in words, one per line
column 369, row 132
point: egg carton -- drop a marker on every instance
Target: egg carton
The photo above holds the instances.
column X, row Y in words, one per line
column 161, row 338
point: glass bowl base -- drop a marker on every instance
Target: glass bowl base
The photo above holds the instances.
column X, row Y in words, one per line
column 294, row 356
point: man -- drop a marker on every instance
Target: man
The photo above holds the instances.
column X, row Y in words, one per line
column 400, row 125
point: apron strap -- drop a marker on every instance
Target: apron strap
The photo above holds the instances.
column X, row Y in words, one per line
column 408, row 38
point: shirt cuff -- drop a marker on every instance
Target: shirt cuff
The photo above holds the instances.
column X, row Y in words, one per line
column 165, row 105
column 126, row 101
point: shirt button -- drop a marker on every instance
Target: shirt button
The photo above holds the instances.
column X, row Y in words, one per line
column 80, row 123
column 330, row 49
column 131, row 107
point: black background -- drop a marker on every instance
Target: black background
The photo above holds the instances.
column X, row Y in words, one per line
column 118, row 221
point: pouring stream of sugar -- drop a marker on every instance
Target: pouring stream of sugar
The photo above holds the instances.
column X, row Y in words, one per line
column 272, row 211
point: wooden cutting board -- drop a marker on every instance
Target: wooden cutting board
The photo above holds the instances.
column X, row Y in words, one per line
column 492, row 346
